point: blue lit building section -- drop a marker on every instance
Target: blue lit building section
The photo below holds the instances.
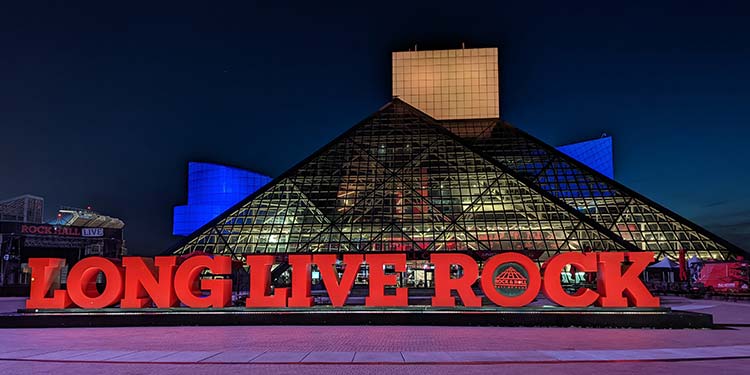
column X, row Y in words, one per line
column 212, row 189
column 568, row 181
column 596, row 153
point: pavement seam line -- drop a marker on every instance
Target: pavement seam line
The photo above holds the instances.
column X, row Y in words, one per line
column 740, row 351
column 399, row 363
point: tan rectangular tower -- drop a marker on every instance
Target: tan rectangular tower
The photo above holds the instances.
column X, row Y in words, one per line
column 449, row 84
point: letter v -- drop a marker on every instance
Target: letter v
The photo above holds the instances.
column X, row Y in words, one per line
column 338, row 290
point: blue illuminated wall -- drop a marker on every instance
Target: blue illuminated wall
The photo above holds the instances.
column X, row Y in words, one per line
column 596, row 153
column 212, row 189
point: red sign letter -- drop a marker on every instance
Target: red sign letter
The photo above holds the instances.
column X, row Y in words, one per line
column 188, row 286
column 532, row 283
column 260, row 283
column 444, row 283
column 613, row 283
column 338, row 290
column 142, row 284
column 45, row 280
column 552, row 287
column 82, row 283
column 378, row 280
column 301, row 281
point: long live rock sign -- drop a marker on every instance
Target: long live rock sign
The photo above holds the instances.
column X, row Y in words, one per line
column 138, row 282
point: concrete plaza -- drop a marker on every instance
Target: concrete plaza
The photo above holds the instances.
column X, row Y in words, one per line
column 372, row 349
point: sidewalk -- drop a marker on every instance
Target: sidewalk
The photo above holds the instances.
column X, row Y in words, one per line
column 348, row 357
column 367, row 349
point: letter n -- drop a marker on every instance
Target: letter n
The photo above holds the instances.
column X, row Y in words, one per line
column 144, row 283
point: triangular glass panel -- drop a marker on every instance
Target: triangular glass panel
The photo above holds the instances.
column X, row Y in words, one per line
column 455, row 238
column 335, row 181
column 449, row 176
column 392, row 239
column 330, row 240
column 509, row 216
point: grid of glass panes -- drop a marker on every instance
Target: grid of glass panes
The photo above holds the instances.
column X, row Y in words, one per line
column 595, row 153
column 449, row 84
column 618, row 209
column 398, row 182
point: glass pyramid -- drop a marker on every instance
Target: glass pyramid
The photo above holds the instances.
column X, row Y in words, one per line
column 400, row 181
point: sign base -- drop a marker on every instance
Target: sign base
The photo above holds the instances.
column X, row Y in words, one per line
column 360, row 315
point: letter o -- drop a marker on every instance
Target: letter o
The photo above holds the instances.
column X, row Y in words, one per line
column 82, row 283
column 534, row 281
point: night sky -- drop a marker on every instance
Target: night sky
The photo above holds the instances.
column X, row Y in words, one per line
column 104, row 106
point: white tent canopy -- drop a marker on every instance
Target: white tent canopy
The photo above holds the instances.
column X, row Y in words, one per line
column 664, row 264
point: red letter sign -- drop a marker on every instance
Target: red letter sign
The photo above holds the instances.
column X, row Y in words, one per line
column 188, row 286
column 378, row 280
column 82, row 283
column 301, row 281
column 142, row 285
column 338, row 290
column 260, row 283
column 527, row 286
column 444, row 284
column 45, row 279
column 553, row 288
column 613, row 283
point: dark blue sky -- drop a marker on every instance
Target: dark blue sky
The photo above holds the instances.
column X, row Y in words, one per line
column 104, row 105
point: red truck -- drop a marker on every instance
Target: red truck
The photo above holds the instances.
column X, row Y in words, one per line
column 725, row 276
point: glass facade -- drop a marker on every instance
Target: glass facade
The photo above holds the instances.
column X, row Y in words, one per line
column 617, row 211
column 212, row 189
column 595, row 153
column 210, row 197
column 402, row 181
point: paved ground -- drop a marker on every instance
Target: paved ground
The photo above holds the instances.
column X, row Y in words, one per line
column 11, row 304
column 370, row 349
column 692, row 367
